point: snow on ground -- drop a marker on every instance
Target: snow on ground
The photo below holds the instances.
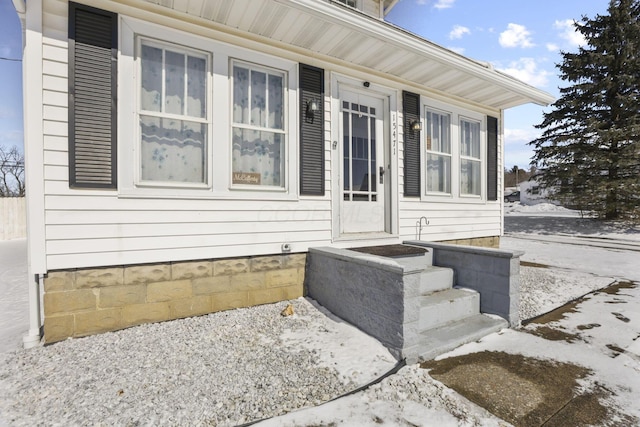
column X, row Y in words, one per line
column 14, row 308
column 548, row 235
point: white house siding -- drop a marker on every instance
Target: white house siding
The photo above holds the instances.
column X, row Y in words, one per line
column 89, row 228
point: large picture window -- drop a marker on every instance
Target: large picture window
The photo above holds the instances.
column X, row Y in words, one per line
column 173, row 113
column 438, row 147
column 258, row 128
column 470, row 158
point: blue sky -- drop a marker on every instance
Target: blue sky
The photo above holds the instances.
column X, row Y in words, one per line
column 522, row 38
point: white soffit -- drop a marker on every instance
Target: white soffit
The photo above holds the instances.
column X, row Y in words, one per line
column 326, row 28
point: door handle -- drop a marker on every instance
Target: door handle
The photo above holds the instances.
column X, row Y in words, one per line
column 381, row 169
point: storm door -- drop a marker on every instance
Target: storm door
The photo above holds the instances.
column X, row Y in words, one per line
column 363, row 177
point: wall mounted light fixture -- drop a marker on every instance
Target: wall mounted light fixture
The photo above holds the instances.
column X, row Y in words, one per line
column 312, row 107
column 416, row 125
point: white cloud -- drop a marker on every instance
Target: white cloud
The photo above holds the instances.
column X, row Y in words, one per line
column 439, row 4
column 458, row 31
column 516, row 36
column 568, row 32
column 552, row 47
column 517, row 136
column 526, row 69
column 444, row 4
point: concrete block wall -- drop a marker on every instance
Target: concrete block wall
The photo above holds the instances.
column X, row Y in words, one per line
column 88, row 301
column 494, row 273
column 376, row 294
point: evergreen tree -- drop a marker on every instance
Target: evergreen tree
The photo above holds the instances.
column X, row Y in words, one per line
column 590, row 146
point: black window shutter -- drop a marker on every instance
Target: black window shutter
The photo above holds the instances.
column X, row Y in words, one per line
column 93, row 52
column 311, row 131
column 492, row 158
column 411, row 111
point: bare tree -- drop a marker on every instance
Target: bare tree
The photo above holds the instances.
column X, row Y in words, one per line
column 11, row 172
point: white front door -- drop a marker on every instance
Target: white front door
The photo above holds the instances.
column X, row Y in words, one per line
column 362, row 175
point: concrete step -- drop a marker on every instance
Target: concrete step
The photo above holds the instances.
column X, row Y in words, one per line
column 413, row 263
column 433, row 279
column 439, row 308
column 437, row 341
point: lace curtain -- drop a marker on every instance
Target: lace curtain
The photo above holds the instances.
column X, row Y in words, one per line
column 258, row 131
column 172, row 148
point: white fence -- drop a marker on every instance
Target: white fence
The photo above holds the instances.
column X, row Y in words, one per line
column 13, row 218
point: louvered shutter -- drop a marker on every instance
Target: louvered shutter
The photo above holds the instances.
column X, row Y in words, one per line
column 411, row 111
column 311, row 131
column 92, row 97
column 492, row 158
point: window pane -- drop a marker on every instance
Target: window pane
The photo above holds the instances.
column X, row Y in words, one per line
column 240, row 95
column 196, row 86
column 257, row 157
column 438, row 132
column 276, row 99
column 360, row 150
column 470, row 177
column 151, row 78
column 174, row 82
column 438, row 173
column 172, row 150
column 470, row 139
column 345, row 150
column 258, row 98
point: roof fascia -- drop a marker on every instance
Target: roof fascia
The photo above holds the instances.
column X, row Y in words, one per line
column 404, row 39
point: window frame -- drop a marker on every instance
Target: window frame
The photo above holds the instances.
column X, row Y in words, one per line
column 285, row 125
column 426, row 152
column 457, row 113
column 218, row 157
column 480, row 160
column 207, row 119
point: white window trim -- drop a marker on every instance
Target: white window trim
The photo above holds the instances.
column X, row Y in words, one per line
column 219, row 100
column 481, row 159
column 232, row 124
column 457, row 113
column 139, row 182
column 438, row 194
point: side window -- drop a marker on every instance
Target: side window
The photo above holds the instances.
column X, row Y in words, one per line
column 470, row 158
column 438, row 148
column 172, row 113
column 258, row 126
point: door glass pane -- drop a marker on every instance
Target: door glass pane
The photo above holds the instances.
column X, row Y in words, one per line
column 360, row 150
column 346, row 136
column 373, row 154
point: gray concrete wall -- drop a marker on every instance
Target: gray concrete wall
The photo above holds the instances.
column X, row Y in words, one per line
column 368, row 292
column 494, row 273
column 13, row 218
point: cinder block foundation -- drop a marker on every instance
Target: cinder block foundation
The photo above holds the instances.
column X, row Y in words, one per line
column 88, row 301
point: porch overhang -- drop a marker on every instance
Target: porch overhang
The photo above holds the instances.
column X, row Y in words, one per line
column 330, row 31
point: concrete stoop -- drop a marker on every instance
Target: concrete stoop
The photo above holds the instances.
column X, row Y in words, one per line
column 449, row 316
column 412, row 306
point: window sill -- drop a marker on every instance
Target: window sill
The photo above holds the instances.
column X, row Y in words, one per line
column 146, row 193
